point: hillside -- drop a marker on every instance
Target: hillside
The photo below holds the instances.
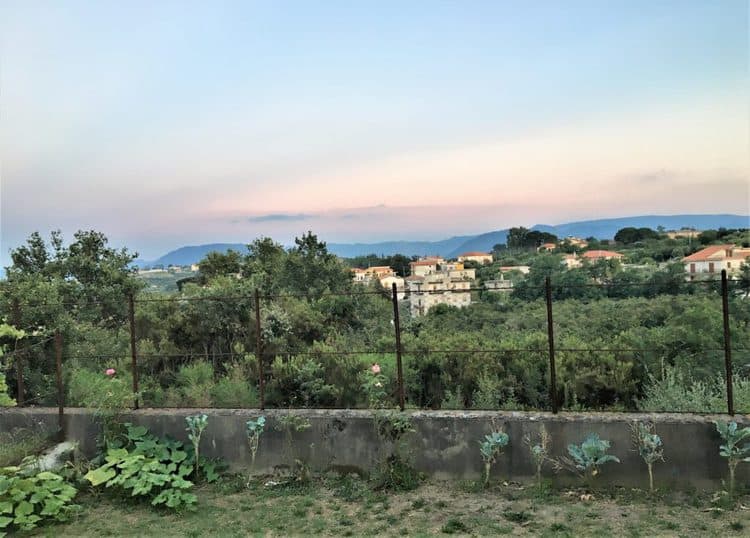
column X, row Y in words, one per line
column 451, row 247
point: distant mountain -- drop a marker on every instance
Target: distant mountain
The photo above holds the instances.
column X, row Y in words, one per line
column 452, row 247
column 192, row 254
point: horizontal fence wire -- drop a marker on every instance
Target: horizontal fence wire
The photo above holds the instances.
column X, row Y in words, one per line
column 354, row 293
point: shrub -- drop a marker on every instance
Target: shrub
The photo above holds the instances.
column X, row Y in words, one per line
column 148, row 467
column 26, row 500
column 109, row 395
column 234, row 389
column 731, row 449
column 675, row 391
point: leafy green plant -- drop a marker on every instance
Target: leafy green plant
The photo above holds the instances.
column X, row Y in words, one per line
column 731, row 449
column 490, row 448
column 539, row 448
column 195, row 426
column 649, row 446
column 26, row 500
column 254, row 429
column 588, row 457
column 149, row 467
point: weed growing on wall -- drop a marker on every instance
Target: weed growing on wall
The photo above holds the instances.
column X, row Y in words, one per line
column 291, row 424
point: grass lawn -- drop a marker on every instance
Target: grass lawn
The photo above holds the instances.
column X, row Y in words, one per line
column 347, row 507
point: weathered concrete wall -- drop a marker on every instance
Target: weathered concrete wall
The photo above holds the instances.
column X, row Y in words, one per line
column 445, row 444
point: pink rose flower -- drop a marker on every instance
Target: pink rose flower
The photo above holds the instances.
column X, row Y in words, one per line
column 110, row 372
column 375, row 368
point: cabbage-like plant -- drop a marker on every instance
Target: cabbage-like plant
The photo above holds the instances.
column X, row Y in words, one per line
column 490, row 449
column 649, row 446
column 254, row 429
column 589, row 456
column 731, row 449
column 196, row 425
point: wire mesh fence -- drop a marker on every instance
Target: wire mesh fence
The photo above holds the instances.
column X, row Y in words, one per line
column 555, row 378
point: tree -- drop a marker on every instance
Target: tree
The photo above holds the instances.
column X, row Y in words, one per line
column 216, row 264
column 311, row 270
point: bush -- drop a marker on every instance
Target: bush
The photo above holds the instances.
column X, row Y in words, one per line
column 675, row 391
column 234, row 389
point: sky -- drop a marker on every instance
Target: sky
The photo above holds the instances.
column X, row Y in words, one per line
column 165, row 123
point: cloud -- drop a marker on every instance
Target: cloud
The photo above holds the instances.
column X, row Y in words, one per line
column 281, row 217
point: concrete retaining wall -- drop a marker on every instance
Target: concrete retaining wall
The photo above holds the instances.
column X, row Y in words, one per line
column 445, row 444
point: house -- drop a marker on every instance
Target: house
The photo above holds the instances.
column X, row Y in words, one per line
column 376, row 272
column 684, row 232
column 711, row 260
column 434, row 289
column 596, row 255
column 577, row 241
column 522, row 268
column 571, row 261
column 423, row 267
column 546, row 247
column 500, row 285
column 452, row 266
column 479, row 257
column 388, row 281
column 195, row 268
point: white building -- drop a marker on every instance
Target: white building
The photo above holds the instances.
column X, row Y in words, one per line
column 479, row 257
column 711, row 260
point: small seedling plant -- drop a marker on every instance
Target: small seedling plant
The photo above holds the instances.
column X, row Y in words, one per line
column 490, row 449
column 291, row 424
column 650, row 447
column 588, row 457
column 254, row 429
column 27, row 499
column 539, row 447
column 733, row 448
column 195, row 426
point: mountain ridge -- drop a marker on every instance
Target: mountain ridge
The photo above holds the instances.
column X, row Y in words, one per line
column 453, row 246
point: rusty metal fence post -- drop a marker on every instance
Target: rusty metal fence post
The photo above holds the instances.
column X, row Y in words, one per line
column 20, row 387
column 727, row 342
column 133, row 354
column 399, row 367
column 259, row 353
column 60, row 391
column 551, row 340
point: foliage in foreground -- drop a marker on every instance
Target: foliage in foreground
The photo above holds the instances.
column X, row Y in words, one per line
column 150, row 468
column 26, row 500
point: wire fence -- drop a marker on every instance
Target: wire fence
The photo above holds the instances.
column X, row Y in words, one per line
column 549, row 352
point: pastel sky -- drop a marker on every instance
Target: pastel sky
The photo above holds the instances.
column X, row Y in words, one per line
column 172, row 123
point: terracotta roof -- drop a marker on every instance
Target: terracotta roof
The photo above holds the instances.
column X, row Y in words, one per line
column 414, row 278
column 714, row 252
column 357, row 270
column 475, row 254
column 422, row 263
column 601, row 254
